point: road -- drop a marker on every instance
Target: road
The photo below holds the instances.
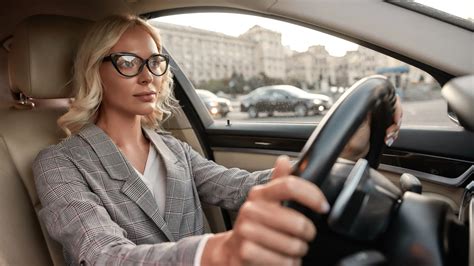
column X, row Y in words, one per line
column 419, row 113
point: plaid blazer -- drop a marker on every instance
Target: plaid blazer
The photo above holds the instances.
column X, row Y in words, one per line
column 102, row 212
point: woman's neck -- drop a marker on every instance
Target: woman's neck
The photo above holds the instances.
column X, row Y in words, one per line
column 125, row 131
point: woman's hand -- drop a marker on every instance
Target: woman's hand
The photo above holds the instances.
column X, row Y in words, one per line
column 359, row 145
column 394, row 129
column 265, row 232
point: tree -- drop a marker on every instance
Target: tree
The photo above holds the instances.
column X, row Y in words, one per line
column 213, row 85
column 236, row 84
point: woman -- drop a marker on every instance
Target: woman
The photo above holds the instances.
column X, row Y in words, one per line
column 118, row 191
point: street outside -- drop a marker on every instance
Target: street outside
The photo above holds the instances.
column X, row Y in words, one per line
column 415, row 113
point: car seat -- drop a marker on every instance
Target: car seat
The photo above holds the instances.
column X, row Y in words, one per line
column 39, row 66
column 40, row 69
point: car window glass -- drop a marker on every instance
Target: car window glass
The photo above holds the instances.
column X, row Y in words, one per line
column 243, row 57
column 278, row 95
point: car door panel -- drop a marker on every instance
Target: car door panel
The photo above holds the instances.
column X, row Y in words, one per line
column 257, row 152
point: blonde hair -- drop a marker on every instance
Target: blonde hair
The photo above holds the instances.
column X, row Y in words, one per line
column 100, row 38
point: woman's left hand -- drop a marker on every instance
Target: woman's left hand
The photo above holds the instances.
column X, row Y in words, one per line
column 392, row 131
column 359, row 145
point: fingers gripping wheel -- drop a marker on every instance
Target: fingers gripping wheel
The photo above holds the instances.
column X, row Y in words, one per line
column 374, row 94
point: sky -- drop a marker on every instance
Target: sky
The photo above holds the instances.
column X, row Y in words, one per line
column 296, row 37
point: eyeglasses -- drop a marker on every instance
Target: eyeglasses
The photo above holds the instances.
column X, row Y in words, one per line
column 130, row 65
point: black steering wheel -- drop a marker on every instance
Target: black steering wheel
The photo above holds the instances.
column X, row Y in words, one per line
column 368, row 212
column 374, row 94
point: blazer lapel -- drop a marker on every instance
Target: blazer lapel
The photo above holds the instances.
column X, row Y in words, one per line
column 138, row 192
column 175, row 195
column 119, row 168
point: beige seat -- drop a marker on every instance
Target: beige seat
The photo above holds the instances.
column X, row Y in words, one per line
column 40, row 67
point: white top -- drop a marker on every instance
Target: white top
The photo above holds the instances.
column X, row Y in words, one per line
column 154, row 178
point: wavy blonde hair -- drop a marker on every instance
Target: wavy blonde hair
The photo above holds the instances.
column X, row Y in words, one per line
column 98, row 41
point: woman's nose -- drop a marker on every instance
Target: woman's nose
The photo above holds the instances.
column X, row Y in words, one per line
column 145, row 77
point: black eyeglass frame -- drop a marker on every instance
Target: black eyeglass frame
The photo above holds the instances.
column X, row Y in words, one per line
column 113, row 58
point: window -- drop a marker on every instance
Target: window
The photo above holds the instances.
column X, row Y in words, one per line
column 305, row 60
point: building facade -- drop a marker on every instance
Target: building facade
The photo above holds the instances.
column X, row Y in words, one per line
column 270, row 53
column 206, row 55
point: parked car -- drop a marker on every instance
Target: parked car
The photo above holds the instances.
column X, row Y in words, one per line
column 284, row 98
column 217, row 106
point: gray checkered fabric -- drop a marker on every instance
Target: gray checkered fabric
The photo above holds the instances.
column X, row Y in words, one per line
column 101, row 211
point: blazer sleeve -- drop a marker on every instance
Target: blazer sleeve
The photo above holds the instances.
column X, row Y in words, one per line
column 76, row 217
column 221, row 186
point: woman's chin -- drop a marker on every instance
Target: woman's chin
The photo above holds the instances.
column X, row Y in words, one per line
column 145, row 112
column 146, row 109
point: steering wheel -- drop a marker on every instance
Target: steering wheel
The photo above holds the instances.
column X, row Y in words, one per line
column 341, row 122
column 368, row 212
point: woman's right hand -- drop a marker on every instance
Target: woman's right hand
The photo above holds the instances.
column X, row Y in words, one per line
column 265, row 232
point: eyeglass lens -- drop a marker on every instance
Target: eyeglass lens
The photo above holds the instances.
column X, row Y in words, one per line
column 130, row 65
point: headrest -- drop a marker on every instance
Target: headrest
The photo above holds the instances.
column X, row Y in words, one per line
column 42, row 53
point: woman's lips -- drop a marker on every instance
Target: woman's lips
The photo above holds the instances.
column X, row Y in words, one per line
column 145, row 96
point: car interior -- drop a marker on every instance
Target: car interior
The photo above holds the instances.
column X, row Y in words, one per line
column 39, row 42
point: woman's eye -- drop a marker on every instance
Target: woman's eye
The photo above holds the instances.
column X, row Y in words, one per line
column 127, row 62
column 155, row 64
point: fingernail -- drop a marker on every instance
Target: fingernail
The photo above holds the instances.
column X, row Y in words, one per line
column 399, row 123
column 325, row 207
column 283, row 157
column 394, row 135
column 389, row 142
column 390, row 135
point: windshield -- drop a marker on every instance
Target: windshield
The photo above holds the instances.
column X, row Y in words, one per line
column 459, row 8
column 457, row 12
